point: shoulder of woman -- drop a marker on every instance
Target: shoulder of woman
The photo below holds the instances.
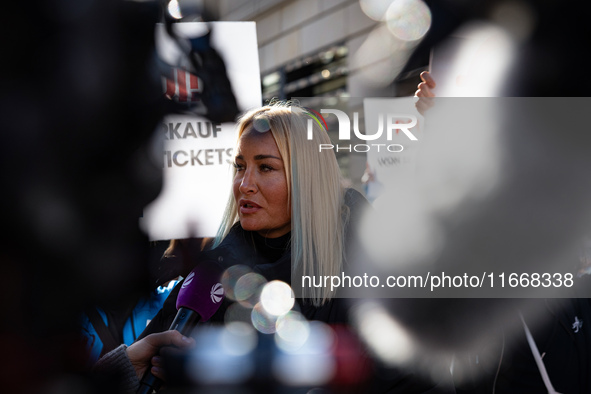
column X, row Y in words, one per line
column 353, row 197
column 356, row 202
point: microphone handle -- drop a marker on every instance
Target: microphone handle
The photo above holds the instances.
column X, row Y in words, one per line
column 184, row 322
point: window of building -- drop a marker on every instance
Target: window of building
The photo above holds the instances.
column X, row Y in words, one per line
column 322, row 74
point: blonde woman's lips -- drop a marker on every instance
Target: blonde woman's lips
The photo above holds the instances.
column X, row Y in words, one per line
column 247, row 206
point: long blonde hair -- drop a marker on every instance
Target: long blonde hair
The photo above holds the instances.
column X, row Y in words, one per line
column 316, row 194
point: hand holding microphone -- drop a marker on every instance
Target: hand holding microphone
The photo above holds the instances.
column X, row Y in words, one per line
column 200, row 296
column 141, row 352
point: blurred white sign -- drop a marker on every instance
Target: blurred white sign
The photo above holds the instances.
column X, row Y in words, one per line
column 390, row 167
column 197, row 152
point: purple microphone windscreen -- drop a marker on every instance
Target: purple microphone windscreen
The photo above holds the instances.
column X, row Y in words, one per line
column 202, row 290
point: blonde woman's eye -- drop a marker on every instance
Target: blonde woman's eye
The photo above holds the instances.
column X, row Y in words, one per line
column 238, row 167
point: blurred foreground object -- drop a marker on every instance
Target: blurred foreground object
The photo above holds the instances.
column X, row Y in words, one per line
column 501, row 186
column 81, row 99
column 300, row 355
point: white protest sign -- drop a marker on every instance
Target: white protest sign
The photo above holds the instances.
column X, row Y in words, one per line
column 390, row 167
column 198, row 153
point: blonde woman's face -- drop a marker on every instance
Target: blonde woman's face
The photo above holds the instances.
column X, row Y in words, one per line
column 260, row 185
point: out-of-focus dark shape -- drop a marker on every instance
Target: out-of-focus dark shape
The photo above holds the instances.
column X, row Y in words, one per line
column 539, row 208
column 177, row 260
column 554, row 49
column 81, row 98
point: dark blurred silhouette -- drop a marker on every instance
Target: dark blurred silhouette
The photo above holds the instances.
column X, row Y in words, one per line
column 548, row 57
column 81, row 98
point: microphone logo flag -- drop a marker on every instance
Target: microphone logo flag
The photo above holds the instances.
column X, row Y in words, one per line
column 217, row 293
column 189, row 279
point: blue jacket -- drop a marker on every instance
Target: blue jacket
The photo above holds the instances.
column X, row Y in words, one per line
column 140, row 317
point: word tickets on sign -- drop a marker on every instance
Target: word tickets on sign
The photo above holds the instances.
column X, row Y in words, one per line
column 194, row 130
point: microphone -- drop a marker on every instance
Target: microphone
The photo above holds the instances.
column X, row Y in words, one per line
column 199, row 298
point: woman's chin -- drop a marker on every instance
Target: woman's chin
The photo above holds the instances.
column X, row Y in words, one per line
column 249, row 226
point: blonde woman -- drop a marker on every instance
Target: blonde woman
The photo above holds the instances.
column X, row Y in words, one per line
column 311, row 206
column 287, row 205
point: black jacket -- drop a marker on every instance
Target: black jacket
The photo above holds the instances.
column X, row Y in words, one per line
column 272, row 259
column 561, row 330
